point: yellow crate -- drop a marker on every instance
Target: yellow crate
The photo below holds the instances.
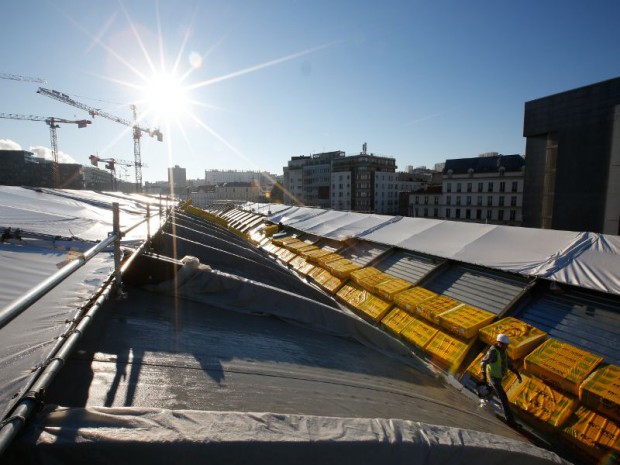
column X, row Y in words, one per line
column 306, row 268
column 315, row 272
column 375, row 308
column 293, row 245
column 369, row 282
column 601, row 391
column 297, row 262
column 561, row 365
column 326, row 280
column 281, row 242
column 353, row 294
column 342, row 268
column 325, row 259
column 431, row 309
column 389, row 288
column 314, row 255
column 410, row 298
column 308, row 250
column 541, row 401
column 465, row 321
column 286, row 255
column 448, row 350
column 592, row 432
column 363, row 273
column 397, row 320
column 270, row 230
column 523, row 337
column 419, row 332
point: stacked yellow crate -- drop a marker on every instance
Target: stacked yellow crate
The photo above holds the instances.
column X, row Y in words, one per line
column 542, row 402
column 596, row 435
column 325, row 259
column 601, row 391
column 308, row 250
column 389, row 288
column 285, row 255
column 431, row 309
column 359, row 298
column 523, row 337
column 358, row 275
column 465, row 320
column 397, row 320
column 561, row 365
column 326, row 280
column 411, row 298
column 314, row 255
column 419, row 332
column 370, row 280
column 342, row 268
column 448, row 351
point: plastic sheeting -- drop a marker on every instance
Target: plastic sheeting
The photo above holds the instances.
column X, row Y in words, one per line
column 582, row 259
column 154, row 436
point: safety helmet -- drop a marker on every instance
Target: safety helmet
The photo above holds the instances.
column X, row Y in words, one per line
column 503, row 338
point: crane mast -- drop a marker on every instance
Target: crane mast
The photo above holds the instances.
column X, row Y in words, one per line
column 137, row 130
column 51, row 121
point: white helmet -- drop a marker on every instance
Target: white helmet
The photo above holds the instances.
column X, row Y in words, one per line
column 503, row 338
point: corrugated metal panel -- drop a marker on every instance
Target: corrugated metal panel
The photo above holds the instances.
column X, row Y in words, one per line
column 362, row 253
column 406, row 265
column 485, row 289
column 586, row 320
column 329, row 244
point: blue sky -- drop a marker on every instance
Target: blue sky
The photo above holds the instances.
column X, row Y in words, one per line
column 261, row 81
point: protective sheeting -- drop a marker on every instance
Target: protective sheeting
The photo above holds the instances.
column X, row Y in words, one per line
column 154, row 436
column 582, row 259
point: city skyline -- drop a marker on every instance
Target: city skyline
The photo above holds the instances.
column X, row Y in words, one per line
column 255, row 86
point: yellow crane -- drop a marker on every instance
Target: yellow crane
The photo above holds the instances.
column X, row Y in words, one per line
column 52, row 122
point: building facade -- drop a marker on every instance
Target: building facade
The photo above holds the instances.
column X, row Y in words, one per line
column 307, row 179
column 23, row 168
column 177, row 177
column 573, row 159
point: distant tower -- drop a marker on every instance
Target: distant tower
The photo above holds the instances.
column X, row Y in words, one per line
column 364, row 148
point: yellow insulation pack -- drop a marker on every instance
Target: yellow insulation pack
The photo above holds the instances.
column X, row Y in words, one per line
column 369, row 282
column 285, row 255
column 297, row 262
column 314, row 255
column 326, row 280
column 561, row 365
column 389, row 288
column 594, row 433
column 465, row 321
column 305, row 268
column 523, row 337
column 293, row 245
column 411, row 298
column 363, row 273
column 281, row 242
column 308, row 250
column 325, row 259
column 601, row 391
column 448, row 350
column 397, row 320
column 270, row 230
column 431, row 309
column 419, row 332
column 375, row 307
column 353, row 294
column 541, row 401
column 271, row 248
column 342, row 268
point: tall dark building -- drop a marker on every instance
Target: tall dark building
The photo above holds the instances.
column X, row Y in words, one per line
column 572, row 179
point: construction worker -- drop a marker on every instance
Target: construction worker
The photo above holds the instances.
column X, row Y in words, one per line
column 495, row 365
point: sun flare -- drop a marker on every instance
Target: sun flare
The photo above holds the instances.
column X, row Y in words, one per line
column 165, row 97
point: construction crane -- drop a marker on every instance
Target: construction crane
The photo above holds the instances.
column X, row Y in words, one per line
column 16, row 77
column 52, row 122
column 137, row 130
column 111, row 165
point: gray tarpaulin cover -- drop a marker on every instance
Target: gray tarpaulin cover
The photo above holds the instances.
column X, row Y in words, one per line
column 582, row 259
column 160, row 436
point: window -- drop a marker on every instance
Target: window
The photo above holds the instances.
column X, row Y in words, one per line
column 436, row 202
column 417, row 199
column 447, row 213
column 425, row 212
column 426, row 200
column 449, row 187
column 513, row 201
column 435, row 212
column 458, row 187
column 478, row 214
column 500, row 215
column 489, row 214
column 458, row 200
column 501, row 201
column 469, row 187
column 490, row 187
column 489, row 201
column 468, row 200
column 448, row 199
column 502, row 186
column 515, row 186
column 458, row 212
column 479, row 201
column 513, row 215
column 468, row 214
column 480, row 187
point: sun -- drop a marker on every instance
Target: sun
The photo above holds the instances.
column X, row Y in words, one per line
column 165, row 97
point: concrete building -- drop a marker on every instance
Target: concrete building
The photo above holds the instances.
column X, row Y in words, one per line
column 23, row 168
column 426, row 202
column 487, row 189
column 307, row 179
column 177, row 177
column 572, row 181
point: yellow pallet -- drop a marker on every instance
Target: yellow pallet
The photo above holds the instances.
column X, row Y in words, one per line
column 448, row 351
column 397, row 320
column 419, row 332
column 375, row 308
column 561, row 365
column 601, row 391
column 363, row 273
column 541, row 401
column 389, row 288
column 592, row 432
column 465, row 321
column 523, row 337
column 411, row 298
column 432, row 309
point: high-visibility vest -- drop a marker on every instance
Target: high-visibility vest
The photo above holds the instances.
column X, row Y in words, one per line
column 498, row 368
